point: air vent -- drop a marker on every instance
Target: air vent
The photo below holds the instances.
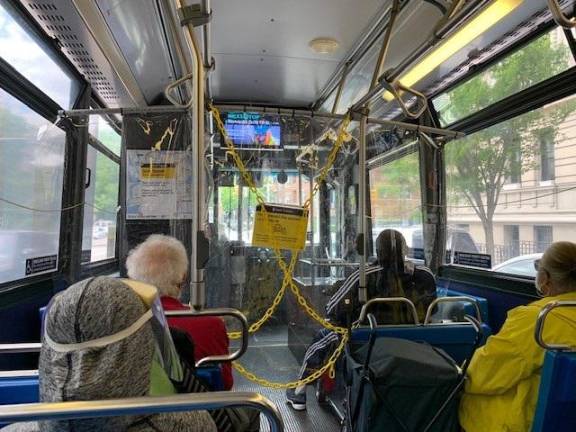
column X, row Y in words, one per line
column 62, row 22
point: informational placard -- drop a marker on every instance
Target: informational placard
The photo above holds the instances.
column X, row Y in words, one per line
column 41, row 264
column 158, row 184
column 478, row 260
column 282, row 227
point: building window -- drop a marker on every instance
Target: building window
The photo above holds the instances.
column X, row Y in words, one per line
column 515, row 169
column 542, row 237
column 547, row 171
column 512, row 240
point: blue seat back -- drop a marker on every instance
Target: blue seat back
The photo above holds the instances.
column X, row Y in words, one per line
column 556, row 408
column 25, row 389
column 19, row 390
column 468, row 308
column 457, row 339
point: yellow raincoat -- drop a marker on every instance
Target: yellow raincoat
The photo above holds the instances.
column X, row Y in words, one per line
column 504, row 375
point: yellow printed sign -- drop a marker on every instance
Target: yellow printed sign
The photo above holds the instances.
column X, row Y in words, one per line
column 282, row 227
column 158, row 171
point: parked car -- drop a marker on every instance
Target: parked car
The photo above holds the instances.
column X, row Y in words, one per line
column 522, row 265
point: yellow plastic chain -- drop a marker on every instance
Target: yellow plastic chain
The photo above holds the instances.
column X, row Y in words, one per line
column 287, row 270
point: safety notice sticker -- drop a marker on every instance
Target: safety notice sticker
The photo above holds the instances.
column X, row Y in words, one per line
column 41, row 264
column 281, row 227
column 158, row 184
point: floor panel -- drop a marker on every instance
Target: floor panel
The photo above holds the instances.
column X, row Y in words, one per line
column 269, row 355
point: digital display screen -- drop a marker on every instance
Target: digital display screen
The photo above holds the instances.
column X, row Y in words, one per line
column 249, row 130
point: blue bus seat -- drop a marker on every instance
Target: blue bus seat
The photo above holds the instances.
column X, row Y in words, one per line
column 556, row 407
column 19, row 390
column 456, row 339
column 25, row 389
column 468, row 308
column 210, row 374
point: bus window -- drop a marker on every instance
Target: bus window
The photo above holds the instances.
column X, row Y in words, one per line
column 103, row 132
column 101, row 198
column 541, row 59
column 396, row 202
column 512, row 186
column 31, row 173
column 19, row 48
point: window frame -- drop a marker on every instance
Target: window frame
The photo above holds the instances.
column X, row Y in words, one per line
column 19, row 87
column 108, row 265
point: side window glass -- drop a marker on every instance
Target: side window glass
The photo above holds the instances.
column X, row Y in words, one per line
column 507, row 222
column 101, row 202
column 396, row 202
column 27, row 56
column 31, row 175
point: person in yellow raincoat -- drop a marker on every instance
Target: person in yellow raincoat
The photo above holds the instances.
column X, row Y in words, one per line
column 504, row 375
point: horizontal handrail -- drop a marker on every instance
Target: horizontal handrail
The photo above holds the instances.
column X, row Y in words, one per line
column 19, row 348
column 142, row 405
column 218, row 312
column 369, row 303
column 561, row 19
column 539, row 330
column 455, row 299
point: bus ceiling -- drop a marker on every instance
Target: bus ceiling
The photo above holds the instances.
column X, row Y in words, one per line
column 263, row 50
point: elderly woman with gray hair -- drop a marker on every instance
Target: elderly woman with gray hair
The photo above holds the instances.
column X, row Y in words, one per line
column 162, row 261
column 71, row 369
column 504, row 375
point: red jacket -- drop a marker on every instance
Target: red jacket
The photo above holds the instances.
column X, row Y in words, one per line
column 208, row 333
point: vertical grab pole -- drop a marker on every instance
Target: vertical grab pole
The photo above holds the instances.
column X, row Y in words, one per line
column 362, row 292
column 199, row 241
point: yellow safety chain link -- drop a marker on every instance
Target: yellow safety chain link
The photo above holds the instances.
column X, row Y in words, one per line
column 287, row 270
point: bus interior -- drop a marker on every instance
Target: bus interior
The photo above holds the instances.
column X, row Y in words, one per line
column 276, row 140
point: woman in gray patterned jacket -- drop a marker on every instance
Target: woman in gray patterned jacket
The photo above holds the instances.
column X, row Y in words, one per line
column 87, row 311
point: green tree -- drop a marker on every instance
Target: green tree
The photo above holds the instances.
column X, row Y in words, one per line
column 479, row 165
column 106, row 192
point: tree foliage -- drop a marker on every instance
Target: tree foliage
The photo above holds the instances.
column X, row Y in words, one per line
column 479, row 165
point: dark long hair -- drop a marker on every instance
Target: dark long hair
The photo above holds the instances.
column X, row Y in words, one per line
column 390, row 252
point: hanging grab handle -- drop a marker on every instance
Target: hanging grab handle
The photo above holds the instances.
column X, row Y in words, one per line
column 396, row 87
column 170, row 88
column 561, row 19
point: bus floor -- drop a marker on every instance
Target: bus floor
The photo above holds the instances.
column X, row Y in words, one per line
column 269, row 357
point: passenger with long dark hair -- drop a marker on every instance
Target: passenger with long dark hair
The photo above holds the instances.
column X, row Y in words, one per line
column 390, row 276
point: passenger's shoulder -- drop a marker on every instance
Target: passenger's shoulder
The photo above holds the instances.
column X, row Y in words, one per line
column 423, row 272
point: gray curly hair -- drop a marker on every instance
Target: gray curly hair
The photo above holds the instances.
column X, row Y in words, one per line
column 161, row 261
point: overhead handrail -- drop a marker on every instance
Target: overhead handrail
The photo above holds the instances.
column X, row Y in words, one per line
column 20, row 348
column 539, row 330
column 142, row 405
column 381, row 300
column 395, row 87
column 218, row 312
column 170, row 87
column 455, row 299
column 558, row 15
